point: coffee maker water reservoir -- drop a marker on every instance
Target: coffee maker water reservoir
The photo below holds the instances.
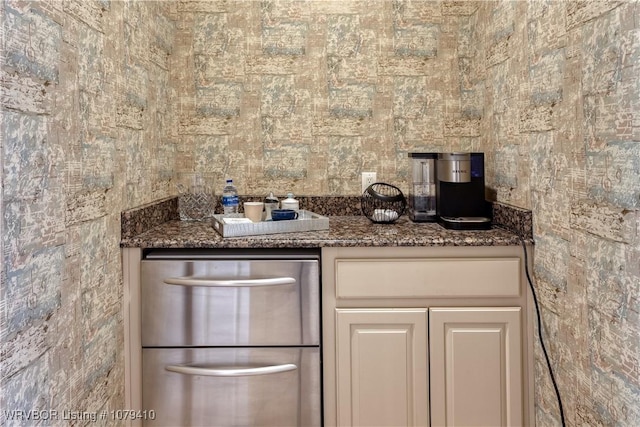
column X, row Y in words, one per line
column 422, row 193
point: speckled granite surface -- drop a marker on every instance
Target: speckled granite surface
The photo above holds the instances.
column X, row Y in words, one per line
column 143, row 218
column 343, row 231
column 157, row 226
column 513, row 218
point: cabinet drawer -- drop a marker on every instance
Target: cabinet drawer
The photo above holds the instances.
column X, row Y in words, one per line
column 427, row 278
column 229, row 302
column 205, row 386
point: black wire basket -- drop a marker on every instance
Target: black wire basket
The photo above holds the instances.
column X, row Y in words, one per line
column 383, row 203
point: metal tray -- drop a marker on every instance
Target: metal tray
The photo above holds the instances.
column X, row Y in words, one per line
column 307, row 221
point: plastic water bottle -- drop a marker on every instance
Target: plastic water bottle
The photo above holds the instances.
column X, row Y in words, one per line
column 230, row 198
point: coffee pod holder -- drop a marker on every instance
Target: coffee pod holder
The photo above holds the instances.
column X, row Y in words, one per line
column 383, row 203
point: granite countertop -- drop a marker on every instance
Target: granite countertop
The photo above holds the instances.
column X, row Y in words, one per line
column 157, row 226
column 343, row 231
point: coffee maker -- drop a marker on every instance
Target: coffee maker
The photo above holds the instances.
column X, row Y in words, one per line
column 460, row 192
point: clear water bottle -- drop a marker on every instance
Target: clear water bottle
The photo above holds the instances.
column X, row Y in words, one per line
column 230, row 198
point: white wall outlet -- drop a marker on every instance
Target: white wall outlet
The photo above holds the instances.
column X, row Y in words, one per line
column 368, row 178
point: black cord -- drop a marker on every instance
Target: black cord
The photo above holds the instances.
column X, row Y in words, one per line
column 544, row 349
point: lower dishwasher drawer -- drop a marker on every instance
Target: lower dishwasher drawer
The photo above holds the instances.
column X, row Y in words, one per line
column 232, row 386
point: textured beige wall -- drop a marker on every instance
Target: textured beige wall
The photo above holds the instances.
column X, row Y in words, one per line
column 84, row 90
column 302, row 96
column 561, row 125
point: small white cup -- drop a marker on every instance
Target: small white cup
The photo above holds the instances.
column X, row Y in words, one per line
column 253, row 211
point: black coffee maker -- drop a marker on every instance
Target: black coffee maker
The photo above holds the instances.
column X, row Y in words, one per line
column 460, row 198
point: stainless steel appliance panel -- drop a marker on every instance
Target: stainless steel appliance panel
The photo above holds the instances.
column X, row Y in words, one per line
column 228, row 387
column 230, row 302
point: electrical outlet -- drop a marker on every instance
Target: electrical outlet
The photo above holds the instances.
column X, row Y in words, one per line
column 368, row 178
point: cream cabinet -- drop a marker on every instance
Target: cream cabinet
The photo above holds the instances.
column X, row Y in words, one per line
column 426, row 337
column 382, row 368
column 476, row 366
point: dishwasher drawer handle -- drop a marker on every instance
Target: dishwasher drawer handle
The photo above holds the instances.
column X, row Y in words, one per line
column 194, row 281
column 231, row 371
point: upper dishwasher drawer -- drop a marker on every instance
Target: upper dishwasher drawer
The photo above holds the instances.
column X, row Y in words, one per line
column 427, row 277
column 229, row 302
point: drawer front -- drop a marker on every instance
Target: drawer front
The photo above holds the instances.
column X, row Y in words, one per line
column 427, row 278
column 232, row 386
column 229, row 303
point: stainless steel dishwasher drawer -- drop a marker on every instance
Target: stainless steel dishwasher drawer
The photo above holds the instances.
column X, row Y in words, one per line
column 230, row 302
column 232, row 386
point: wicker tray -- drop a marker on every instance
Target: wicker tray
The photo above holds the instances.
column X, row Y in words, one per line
column 307, row 221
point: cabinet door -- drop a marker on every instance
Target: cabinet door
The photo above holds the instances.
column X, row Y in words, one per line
column 381, row 372
column 475, row 361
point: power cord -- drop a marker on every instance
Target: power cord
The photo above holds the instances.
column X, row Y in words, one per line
column 544, row 348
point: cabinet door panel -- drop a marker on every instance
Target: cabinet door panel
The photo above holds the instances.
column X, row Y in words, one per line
column 382, row 373
column 476, row 377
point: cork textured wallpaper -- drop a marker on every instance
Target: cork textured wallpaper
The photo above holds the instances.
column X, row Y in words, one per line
column 84, row 92
column 108, row 105
column 303, row 96
column 561, row 123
